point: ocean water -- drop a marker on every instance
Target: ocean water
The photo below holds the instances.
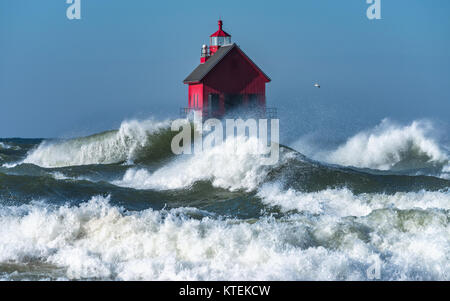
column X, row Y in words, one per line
column 119, row 205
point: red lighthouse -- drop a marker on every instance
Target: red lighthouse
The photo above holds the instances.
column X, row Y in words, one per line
column 226, row 79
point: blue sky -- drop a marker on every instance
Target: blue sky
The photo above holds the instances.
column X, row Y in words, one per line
column 127, row 59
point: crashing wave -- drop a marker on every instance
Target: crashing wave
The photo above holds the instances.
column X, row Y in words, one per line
column 97, row 240
column 391, row 147
column 123, row 145
column 228, row 165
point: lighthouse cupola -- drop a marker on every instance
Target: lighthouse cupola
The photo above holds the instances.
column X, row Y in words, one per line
column 225, row 81
column 218, row 39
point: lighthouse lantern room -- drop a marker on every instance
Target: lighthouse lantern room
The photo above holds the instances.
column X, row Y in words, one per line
column 226, row 81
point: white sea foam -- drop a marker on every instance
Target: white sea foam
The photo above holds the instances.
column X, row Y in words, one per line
column 105, row 148
column 342, row 202
column 60, row 176
column 4, row 145
column 228, row 165
column 9, row 165
column 98, row 240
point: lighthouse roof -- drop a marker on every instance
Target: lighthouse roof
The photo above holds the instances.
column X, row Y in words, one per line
column 220, row 32
column 202, row 70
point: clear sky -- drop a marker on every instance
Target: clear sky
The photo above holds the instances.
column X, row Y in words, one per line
column 127, row 59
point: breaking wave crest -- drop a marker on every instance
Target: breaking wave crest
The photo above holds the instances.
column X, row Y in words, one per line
column 123, row 145
column 391, row 147
column 97, row 240
column 228, row 165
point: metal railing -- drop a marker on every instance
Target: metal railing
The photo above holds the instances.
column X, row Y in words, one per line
column 268, row 113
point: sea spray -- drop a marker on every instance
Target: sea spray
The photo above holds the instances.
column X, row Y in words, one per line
column 191, row 137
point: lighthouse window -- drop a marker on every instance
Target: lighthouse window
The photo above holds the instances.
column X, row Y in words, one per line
column 219, row 41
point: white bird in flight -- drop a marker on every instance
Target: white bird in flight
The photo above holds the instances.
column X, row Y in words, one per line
column 316, row 85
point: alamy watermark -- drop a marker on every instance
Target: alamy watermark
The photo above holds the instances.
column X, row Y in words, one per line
column 250, row 136
column 374, row 10
column 374, row 270
column 73, row 12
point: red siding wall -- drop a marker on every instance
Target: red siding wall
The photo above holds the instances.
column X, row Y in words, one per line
column 233, row 75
